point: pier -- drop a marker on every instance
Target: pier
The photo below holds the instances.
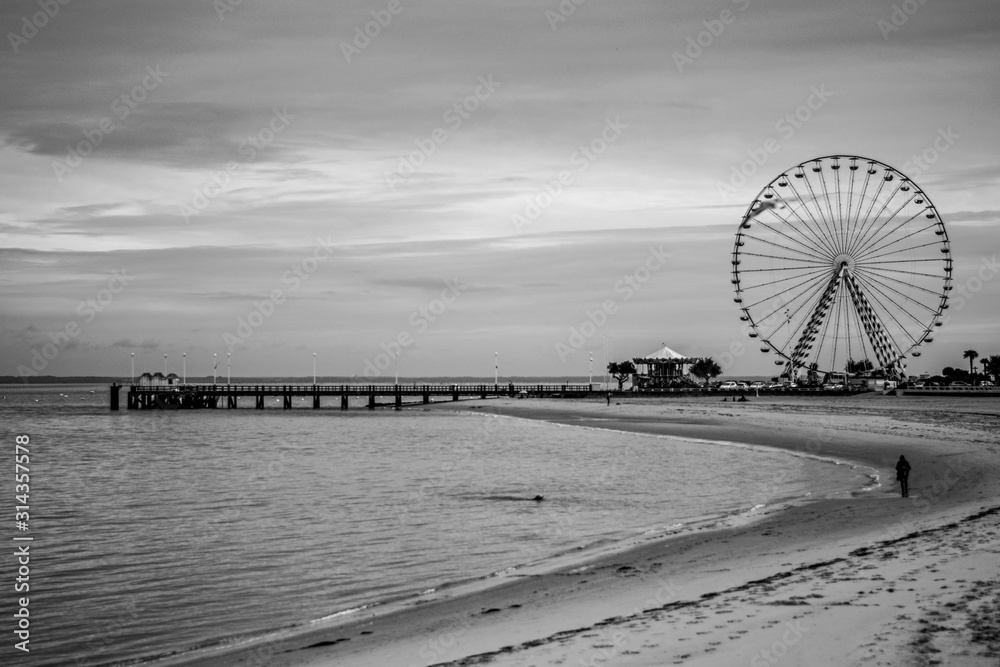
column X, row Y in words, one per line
column 214, row 396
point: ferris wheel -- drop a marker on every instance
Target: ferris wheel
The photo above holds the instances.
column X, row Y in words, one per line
column 842, row 264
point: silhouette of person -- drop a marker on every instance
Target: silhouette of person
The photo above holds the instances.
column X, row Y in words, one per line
column 902, row 475
column 609, row 398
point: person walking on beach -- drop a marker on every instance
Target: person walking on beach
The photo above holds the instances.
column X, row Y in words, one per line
column 902, row 475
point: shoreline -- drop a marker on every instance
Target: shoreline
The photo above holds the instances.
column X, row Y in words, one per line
column 557, row 615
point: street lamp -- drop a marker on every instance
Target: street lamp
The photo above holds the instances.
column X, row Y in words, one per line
column 496, row 368
column 229, row 367
column 395, row 356
column 164, row 365
column 314, row 369
column 215, row 367
column 184, row 368
column 133, row 368
column 591, row 368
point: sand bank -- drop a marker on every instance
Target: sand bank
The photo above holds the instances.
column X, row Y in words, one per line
column 867, row 578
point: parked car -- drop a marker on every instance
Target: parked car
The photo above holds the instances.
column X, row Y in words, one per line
column 757, row 385
column 833, row 386
column 958, row 384
column 728, row 385
column 775, row 385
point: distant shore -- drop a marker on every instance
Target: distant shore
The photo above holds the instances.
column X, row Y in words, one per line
column 836, row 580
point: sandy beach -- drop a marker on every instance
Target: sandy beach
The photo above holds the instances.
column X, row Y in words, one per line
column 862, row 578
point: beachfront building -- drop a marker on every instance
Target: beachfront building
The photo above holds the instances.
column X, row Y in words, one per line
column 662, row 369
column 158, row 379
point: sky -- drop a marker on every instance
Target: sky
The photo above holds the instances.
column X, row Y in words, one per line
column 450, row 187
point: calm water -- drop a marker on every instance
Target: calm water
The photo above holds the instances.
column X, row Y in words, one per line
column 160, row 531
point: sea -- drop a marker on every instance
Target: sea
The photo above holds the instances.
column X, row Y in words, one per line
column 156, row 533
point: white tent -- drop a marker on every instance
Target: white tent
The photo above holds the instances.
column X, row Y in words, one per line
column 665, row 353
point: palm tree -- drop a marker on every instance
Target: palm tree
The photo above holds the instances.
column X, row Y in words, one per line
column 705, row 368
column 971, row 355
column 991, row 365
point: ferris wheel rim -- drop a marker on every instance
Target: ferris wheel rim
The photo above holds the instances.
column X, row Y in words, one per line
column 842, row 247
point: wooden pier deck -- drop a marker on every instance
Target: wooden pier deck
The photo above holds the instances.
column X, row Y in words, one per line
column 210, row 396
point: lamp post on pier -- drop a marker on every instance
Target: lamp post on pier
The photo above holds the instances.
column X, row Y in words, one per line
column 215, row 367
column 591, row 368
column 314, row 369
column 184, row 368
column 133, row 368
column 164, row 365
column 229, row 367
column 395, row 356
column 496, row 368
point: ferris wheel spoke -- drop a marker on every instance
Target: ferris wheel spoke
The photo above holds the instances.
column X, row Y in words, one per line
column 828, row 232
column 840, row 206
column 873, row 294
column 781, row 268
column 824, row 337
column 862, row 227
column 829, row 207
column 808, row 282
column 872, row 281
column 911, row 273
column 816, row 233
column 810, row 303
column 778, row 245
column 905, row 237
column 898, row 261
column 809, row 333
column 790, row 259
column 779, row 280
column 862, row 240
column 865, row 271
column 873, row 241
column 898, row 251
column 815, row 242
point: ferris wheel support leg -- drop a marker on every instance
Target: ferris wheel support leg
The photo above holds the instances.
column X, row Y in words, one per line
column 885, row 350
column 811, row 331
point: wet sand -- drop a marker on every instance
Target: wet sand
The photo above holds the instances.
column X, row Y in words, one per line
column 866, row 578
